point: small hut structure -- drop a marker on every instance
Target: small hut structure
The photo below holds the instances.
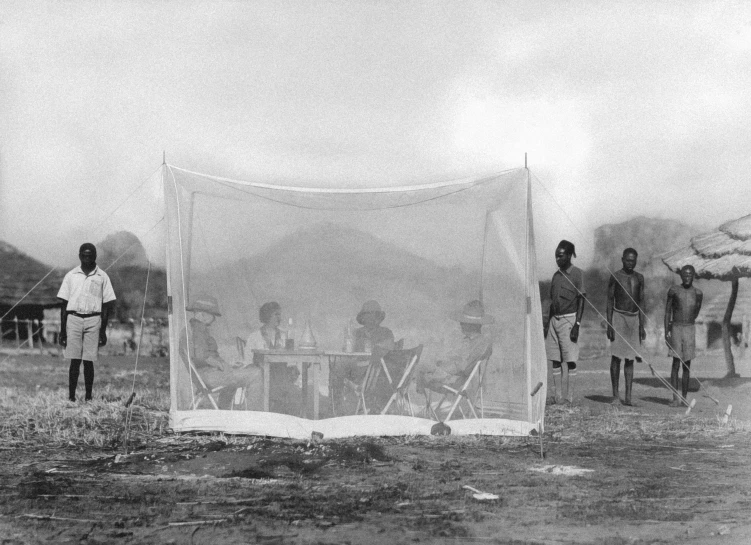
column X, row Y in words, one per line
column 27, row 288
column 722, row 254
column 709, row 322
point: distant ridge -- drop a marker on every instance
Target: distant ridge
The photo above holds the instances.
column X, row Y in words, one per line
column 651, row 237
column 121, row 249
column 328, row 271
column 19, row 273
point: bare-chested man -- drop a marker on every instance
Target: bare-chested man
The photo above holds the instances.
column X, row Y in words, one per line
column 626, row 325
column 681, row 309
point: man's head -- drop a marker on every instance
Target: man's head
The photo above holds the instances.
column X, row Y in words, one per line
column 87, row 255
column 205, row 307
column 687, row 275
column 270, row 314
column 204, row 317
column 563, row 254
column 472, row 317
column 629, row 259
column 371, row 315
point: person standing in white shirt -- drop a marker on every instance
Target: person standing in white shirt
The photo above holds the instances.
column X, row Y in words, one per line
column 87, row 296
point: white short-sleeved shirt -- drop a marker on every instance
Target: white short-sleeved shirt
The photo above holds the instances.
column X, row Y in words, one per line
column 85, row 294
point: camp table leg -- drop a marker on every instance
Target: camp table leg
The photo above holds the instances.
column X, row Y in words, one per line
column 304, row 369
column 265, row 385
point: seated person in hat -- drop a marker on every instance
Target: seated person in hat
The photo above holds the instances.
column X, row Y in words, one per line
column 284, row 396
column 454, row 367
column 211, row 367
column 372, row 337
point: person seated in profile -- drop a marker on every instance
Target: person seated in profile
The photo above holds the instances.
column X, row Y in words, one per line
column 269, row 335
column 209, row 365
column 454, row 367
column 284, row 396
column 372, row 338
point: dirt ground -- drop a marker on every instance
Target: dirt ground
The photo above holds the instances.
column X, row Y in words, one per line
column 611, row 474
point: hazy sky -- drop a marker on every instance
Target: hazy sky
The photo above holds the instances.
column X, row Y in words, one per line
column 625, row 108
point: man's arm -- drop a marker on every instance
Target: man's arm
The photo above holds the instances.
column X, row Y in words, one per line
column 384, row 345
column 546, row 326
column 63, row 340
column 640, row 304
column 574, row 336
column 668, row 315
column 105, row 318
column 609, row 309
column 699, row 300
column 579, row 285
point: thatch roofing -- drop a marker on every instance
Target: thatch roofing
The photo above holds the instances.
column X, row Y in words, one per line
column 714, row 310
column 19, row 273
column 722, row 254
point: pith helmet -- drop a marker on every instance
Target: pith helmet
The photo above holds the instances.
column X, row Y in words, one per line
column 472, row 313
column 205, row 303
column 371, row 307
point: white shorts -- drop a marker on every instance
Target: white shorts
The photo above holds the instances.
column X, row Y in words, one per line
column 83, row 337
column 558, row 344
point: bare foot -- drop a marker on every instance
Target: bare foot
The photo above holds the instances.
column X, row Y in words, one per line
column 627, row 402
column 616, row 400
column 674, row 403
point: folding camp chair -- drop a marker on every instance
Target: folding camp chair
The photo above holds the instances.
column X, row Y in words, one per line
column 202, row 391
column 240, row 344
column 367, row 385
column 406, row 360
column 461, row 392
column 364, row 387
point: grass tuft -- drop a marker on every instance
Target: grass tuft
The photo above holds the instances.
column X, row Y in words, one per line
column 46, row 418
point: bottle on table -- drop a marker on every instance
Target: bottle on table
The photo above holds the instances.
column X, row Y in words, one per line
column 349, row 340
column 289, row 343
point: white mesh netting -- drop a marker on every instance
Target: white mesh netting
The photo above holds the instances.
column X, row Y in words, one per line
column 419, row 254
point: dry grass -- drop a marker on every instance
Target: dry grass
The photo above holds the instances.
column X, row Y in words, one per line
column 579, row 425
column 46, row 418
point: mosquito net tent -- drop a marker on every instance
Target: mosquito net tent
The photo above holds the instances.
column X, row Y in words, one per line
column 345, row 311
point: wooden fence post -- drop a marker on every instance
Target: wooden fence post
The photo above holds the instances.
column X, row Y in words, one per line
column 30, row 333
column 18, row 336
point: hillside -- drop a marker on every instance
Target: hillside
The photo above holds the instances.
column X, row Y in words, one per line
column 124, row 259
column 19, row 273
column 651, row 237
column 327, row 272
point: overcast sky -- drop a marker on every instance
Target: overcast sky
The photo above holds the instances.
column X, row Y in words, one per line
column 625, row 108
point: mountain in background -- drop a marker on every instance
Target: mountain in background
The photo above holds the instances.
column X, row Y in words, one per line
column 121, row 249
column 651, row 238
column 345, row 268
column 22, row 278
column 326, row 272
column 124, row 259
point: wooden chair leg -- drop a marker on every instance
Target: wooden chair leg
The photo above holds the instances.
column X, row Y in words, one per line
column 409, row 404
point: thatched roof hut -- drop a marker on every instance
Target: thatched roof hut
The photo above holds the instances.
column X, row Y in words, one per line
column 19, row 276
column 722, row 254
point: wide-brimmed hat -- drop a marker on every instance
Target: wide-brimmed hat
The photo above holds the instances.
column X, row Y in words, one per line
column 205, row 303
column 472, row 313
column 371, row 307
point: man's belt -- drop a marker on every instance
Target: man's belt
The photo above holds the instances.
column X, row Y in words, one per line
column 84, row 315
column 569, row 315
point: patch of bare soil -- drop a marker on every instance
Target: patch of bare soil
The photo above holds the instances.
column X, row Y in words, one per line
column 208, row 489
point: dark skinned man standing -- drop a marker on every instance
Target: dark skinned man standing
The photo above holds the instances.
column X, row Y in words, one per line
column 564, row 319
column 87, row 296
column 681, row 309
column 625, row 322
